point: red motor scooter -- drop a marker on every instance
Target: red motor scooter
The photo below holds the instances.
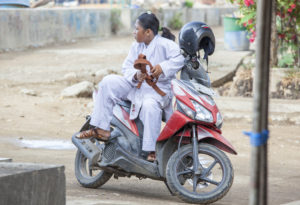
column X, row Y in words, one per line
column 189, row 151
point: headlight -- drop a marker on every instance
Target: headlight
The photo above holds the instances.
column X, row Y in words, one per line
column 219, row 120
column 202, row 114
column 188, row 111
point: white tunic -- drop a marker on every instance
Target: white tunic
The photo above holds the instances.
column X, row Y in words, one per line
column 146, row 102
column 160, row 51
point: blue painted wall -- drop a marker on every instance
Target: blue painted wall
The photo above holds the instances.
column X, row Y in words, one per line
column 14, row 3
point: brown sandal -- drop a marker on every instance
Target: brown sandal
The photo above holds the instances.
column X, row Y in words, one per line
column 151, row 157
column 91, row 133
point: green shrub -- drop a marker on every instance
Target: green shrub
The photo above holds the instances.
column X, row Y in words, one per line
column 115, row 20
column 188, row 4
column 286, row 60
column 176, row 22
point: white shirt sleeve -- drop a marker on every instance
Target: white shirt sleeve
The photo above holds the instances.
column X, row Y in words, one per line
column 174, row 60
column 127, row 68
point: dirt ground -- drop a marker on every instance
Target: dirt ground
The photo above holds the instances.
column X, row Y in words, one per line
column 48, row 116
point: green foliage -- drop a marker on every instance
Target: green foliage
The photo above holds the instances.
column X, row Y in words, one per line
column 288, row 29
column 115, row 20
column 286, row 59
column 189, row 4
column 176, row 22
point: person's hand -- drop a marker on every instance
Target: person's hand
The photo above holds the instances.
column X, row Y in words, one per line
column 140, row 76
column 156, row 71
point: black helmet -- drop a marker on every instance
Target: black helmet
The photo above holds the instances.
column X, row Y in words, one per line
column 195, row 36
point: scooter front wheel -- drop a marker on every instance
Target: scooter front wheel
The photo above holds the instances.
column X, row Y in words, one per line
column 209, row 183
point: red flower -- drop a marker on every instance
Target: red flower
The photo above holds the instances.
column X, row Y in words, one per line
column 293, row 6
column 245, row 24
column 248, row 2
column 250, row 21
column 253, row 36
column 281, row 35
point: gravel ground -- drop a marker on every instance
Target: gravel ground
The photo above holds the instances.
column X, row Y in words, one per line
column 45, row 115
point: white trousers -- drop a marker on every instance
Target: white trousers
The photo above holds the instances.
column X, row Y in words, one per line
column 114, row 88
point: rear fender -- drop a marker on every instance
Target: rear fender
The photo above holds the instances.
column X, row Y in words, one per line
column 209, row 136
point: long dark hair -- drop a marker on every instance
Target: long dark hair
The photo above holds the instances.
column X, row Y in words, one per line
column 149, row 20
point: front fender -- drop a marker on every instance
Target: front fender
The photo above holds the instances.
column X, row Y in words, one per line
column 212, row 137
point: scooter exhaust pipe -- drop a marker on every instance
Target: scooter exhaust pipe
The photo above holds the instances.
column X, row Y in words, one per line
column 87, row 148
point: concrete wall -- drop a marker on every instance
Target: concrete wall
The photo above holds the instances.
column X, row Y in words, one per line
column 21, row 28
column 24, row 28
column 213, row 16
column 32, row 184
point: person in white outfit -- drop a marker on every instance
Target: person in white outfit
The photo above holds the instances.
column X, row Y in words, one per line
column 147, row 104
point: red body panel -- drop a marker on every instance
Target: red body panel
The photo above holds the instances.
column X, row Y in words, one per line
column 176, row 122
column 132, row 124
column 185, row 99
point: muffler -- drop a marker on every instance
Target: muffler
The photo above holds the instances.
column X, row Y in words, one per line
column 87, row 148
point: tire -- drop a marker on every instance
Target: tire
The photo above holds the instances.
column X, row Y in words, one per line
column 210, row 186
column 82, row 165
column 83, row 176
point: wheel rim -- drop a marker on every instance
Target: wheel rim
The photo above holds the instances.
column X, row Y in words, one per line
column 204, row 163
column 210, row 176
column 86, row 170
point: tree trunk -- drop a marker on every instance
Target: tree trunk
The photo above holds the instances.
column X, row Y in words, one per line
column 274, row 38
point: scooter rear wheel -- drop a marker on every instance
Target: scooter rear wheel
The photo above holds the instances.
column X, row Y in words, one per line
column 88, row 176
column 212, row 181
